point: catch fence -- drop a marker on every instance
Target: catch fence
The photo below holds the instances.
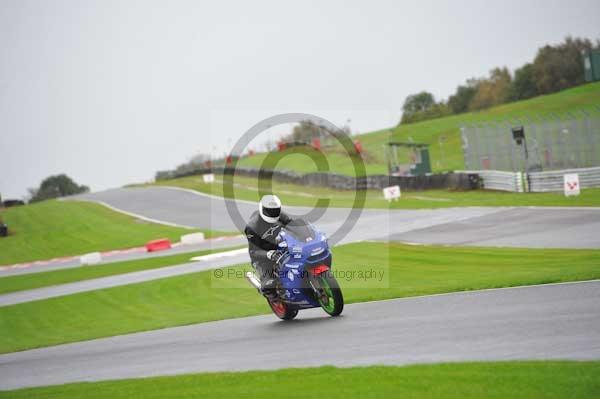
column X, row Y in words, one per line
column 549, row 144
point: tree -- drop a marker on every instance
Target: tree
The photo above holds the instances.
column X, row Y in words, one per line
column 417, row 103
column 460, row 100
column 307, row 130
column 422, row 106
column 493, row 90
column 56, row 186
column 523, row 85
column 304, row 132
column 560, row 67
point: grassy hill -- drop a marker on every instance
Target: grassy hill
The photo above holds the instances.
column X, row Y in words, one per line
column 571, row 100
column 63, row 228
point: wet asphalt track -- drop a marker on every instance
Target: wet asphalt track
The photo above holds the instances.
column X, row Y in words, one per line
column 546, row 322
column 512, row 227
column 477, row 226
column 541, row 322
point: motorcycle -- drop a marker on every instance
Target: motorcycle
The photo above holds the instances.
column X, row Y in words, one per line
column 304, row 275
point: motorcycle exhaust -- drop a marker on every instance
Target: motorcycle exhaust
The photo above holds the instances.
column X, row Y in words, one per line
column 252, row 279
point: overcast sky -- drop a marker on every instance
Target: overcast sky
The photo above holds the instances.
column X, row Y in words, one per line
column 111, row 91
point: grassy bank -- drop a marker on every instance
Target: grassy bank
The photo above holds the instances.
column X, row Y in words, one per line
column 53, row 228
column 71, row 275
column 247, row 188
column 431, row 131
column 199, row 297
column 548, row 380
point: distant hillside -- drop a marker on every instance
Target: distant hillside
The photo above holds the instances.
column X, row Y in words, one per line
column 582, row 97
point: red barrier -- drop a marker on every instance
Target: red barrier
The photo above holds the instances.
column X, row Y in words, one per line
column 281, row 146
column 357, row 146
column 158, row 245
column 316, row 143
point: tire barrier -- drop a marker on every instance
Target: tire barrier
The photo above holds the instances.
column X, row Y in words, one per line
column 158, row 245
column 3, row 230
column 450, row 180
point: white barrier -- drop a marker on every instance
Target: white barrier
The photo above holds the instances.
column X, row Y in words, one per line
column 554, row 180
column 499, row 180
column 536, row 181
column 193, row 238
column 92, row 258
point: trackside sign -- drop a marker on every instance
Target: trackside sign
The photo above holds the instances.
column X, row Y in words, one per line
column 571, row 184
column 208, row 178
column 391, row 193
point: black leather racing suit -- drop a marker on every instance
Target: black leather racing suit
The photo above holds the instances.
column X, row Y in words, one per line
column 261, row 239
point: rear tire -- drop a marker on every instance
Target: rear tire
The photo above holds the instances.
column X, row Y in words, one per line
column 282, row 310
column 333, row 300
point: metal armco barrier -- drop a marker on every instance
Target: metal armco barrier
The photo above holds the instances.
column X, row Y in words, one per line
column 553, row 180
column 536, row 181
column 500, row 180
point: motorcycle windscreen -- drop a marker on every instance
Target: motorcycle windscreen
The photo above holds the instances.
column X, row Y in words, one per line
column 300, row 229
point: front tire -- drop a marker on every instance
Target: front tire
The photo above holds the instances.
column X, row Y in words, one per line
column 282, row 310
column 330, row 296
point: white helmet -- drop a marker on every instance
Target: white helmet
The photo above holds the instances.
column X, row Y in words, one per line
column 270, row 208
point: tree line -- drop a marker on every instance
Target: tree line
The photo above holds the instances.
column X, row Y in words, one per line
column 554, row 68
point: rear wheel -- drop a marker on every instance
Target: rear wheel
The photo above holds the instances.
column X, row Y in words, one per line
column 330, row 295
column 282, row 310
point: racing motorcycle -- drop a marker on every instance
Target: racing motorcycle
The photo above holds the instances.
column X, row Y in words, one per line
column 304, row 275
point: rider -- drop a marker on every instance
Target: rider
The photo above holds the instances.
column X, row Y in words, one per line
column 261, row 231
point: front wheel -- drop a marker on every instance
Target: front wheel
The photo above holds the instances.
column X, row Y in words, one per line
column 282, row 310
column 329, row 294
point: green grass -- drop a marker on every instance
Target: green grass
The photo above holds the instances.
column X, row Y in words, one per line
column 193, row 298
column 63, row 228
column 548, row 380
column 246, row 188
column 70, row 275
column 429, row 132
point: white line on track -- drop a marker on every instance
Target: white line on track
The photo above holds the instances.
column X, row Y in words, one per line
column 137, row 215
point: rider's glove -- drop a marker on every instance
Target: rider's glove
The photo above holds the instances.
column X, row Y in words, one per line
column 275, row 256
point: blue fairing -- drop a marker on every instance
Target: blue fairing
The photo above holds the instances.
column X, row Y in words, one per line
column 305, row 251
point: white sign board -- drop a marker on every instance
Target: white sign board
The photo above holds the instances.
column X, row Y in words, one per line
column 192, row 238
column 391, row 193
column 92, row 258
column 208, row 178
column 571, row 184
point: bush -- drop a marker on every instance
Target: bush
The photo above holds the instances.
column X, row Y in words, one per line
column 55, row 187
column 12, row 202
column 422, row 106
